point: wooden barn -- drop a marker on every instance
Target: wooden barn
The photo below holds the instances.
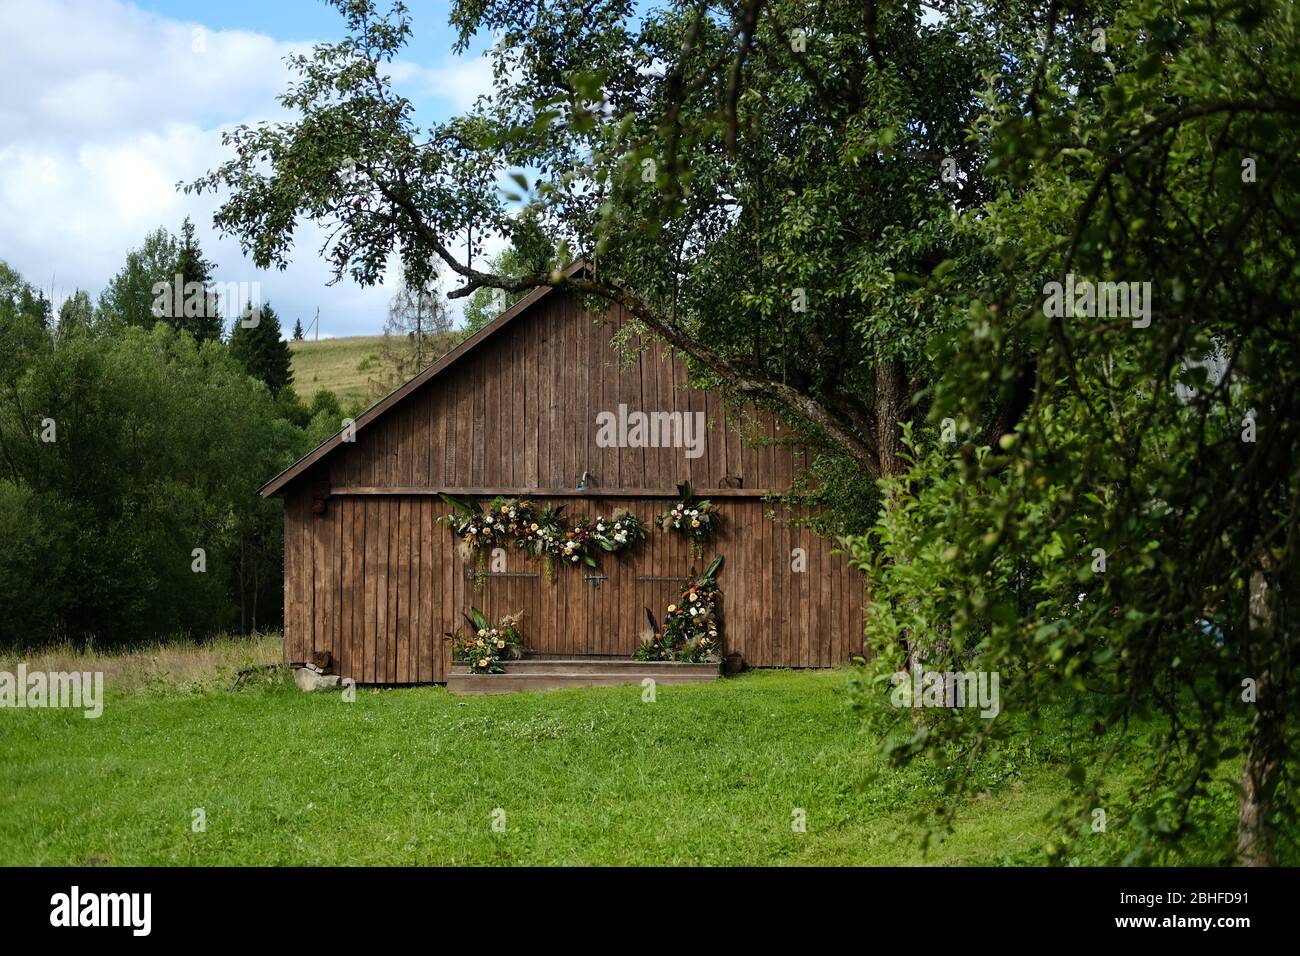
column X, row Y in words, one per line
column 374, row 578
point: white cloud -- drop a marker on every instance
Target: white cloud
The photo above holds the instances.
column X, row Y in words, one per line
column 107, row 107
column 460, row 83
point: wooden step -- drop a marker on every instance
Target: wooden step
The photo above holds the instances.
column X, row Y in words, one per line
column 530, row 675
column 613, row 666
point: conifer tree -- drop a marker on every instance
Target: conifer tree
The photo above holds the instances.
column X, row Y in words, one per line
column 200, row 315
column 255, row 341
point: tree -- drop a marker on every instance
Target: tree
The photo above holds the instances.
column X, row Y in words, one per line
column 130, row 296
column 297, row 330
column 75, row 314
column 1129, row 545
column 166, row 279
column 256, row 344
column 415, row 333
column 121, row 453
column 201, row 313
column 707, row 207
column 486, row 304
column 529, row 253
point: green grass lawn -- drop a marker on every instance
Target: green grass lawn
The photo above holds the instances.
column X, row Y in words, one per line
column 707, row 774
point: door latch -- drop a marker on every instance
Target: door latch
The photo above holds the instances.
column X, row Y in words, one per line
column 595, row 579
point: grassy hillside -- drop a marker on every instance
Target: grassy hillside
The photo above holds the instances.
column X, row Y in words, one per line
column 344, row 366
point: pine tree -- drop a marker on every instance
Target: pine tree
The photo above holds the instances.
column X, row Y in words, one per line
column 202, row 315
column 75, row 315
column 297, row 330
column 260, row 349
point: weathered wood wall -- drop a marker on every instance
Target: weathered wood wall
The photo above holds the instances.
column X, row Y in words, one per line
column 377, row 581
column 520, row 412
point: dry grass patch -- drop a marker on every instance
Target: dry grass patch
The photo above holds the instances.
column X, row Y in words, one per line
column 183, row 665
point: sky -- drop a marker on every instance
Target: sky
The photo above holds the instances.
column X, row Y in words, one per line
column 105, row 105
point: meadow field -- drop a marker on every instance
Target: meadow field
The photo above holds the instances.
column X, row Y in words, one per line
column 346, row 366
column 708, row 774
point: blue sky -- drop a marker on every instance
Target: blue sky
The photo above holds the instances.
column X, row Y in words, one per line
column 307, row 20
column 110, row 103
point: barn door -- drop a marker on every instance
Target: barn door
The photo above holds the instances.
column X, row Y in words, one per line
column 584, row 610
column 506, row 590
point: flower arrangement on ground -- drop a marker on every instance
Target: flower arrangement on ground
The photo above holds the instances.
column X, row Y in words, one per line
column 484, row 646
column 692, row 627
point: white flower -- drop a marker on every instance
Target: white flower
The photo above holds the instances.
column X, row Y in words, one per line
column 620, row 537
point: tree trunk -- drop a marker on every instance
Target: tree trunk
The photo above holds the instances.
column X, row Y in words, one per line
column 1255, row 832
column 243, row 602
column 1255, row 836
column 892, row 401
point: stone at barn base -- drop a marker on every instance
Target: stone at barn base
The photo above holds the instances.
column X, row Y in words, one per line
column 308, row 679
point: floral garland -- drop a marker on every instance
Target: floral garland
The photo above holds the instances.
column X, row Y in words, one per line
column 545, row 538
column 692, row 628
column 542, row 533
column 621, row 530
column 698, row 519
column 486, row 646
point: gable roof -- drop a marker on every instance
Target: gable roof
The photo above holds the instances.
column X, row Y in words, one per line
column 376, row 411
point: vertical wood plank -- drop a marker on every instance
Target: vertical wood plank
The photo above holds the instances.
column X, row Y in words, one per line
column 402, row 602
column 372, row 576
